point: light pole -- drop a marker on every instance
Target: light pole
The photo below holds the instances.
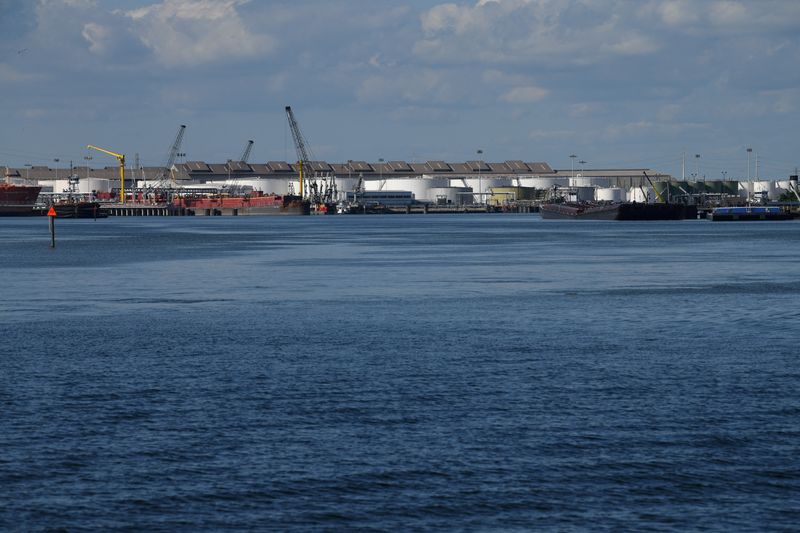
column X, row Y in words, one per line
column 56, row 160
column 582, row 162
column 572, row 165
column 697, row 165
column 27, row 171
column 480, row 181
column 749, row 151
column 88, row 158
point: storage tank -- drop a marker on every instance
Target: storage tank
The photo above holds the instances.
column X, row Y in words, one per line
column 588, row 181
column 451, row 195
column 420, row 187
column 610, row 194
column 745, row 189
column 641, row 194
column 766, row 188
column 264, row 185
column 544, row 183
column 83, row 185
column 485, row 185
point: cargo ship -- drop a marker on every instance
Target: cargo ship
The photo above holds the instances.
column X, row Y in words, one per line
column 745, row 213
column 617, row 211
column 251, row 205
column 17, row 200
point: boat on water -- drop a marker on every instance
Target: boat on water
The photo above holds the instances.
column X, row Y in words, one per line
column 18, row 200
column 751, row 213
column 616, row 211
column 253, row 204
column 78, row 209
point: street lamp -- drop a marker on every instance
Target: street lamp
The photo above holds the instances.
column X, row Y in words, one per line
column 56, row 160
column 749, row 151
column 87, row 158
column 697, row 165
column 572, row 165
column 480, row 181
column 582, row 162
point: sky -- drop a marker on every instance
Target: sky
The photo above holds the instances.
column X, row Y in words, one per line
column 616, row 83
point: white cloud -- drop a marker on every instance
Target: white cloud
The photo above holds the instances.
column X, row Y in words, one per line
column 524, row 95
column 425, row 86
column 678, row 12
column 97, row 36
column 192, row 32
column 531, row 31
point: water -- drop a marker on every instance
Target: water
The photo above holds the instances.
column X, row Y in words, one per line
column 411, row 372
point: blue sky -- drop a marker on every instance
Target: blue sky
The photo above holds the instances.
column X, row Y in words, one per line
column 618, row 83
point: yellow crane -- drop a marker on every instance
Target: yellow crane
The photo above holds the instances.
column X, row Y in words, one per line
column 121, row 158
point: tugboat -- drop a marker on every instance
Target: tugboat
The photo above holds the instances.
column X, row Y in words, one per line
column 75, row 205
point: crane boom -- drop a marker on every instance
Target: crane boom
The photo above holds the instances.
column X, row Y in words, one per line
column 299, row 145
column 246, row 153
column 176, row 146
column 121, row 159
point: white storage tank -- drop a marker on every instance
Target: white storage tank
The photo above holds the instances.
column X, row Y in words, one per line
column 482, row 187
column 420, row 187
column 543, row 183
column 610, row 194
column 263, row 185
column 641, row 195
column 766, row 188
column 83, row 186
column 745, row 189
column 452, row 195
column 588, row 181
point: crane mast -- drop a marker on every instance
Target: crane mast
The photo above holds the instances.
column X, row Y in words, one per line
column 299, row 145
column 246, row 152
column 121, row 159
column 173, row 154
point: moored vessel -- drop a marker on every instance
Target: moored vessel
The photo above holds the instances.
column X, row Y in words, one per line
column 79, row 209
column 617, row 211
column 749, row 213
column 17, row 200
column 577, row 210
column 255, row 205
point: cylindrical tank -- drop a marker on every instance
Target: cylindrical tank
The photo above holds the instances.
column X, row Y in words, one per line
column 420, row 187
column 766, row 188
column 610, row 194
column 544, row 183
column 83, row 186
column 588, row 181
column 483, row 187
column 451, row 195
column 641, row 194
column 264, row 185
column 745, row 189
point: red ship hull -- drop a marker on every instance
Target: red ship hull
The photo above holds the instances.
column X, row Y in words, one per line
column 246, row 205
column 17, row 200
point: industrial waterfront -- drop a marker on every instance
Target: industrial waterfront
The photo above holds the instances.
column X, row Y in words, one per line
column 240, row 187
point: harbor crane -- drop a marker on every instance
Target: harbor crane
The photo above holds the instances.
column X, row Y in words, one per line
column 164, row 179
column 246, row 153
column 121, row 159
column 303, row 160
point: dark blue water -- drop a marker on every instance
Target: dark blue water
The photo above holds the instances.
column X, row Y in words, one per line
column 407, row 372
